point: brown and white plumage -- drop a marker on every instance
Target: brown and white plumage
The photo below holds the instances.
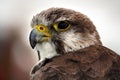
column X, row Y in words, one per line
column 70, row 39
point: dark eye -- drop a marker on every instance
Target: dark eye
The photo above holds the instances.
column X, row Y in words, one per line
column 61, row 26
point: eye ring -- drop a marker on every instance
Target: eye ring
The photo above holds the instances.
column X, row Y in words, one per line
column 61, row 26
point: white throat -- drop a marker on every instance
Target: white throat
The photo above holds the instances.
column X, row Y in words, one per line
column 47, row 50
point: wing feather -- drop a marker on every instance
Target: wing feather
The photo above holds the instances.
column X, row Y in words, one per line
column 92, row 63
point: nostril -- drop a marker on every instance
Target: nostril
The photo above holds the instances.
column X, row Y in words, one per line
column 41, row 28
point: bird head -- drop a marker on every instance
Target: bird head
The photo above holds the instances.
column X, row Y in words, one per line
column 67, row 30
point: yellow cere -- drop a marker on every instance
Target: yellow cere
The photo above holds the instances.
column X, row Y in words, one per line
column 43, row 29
column 40, row 28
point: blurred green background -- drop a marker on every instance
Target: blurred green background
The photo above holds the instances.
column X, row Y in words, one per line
column 16, row 55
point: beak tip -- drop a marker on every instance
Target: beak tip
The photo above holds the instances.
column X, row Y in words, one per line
column 32, row 40
column 33, row 43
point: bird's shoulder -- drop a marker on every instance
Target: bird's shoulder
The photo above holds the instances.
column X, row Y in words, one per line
column 98, row 62
column 92, row 63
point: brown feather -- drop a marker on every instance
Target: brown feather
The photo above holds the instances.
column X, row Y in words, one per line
column 91, row 63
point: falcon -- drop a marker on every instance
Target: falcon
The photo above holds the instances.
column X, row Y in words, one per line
column 63, row 36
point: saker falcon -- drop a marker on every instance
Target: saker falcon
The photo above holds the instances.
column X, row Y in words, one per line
column 63, row 37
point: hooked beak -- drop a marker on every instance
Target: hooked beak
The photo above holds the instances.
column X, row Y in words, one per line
column 38, row 37
column 32, row 39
